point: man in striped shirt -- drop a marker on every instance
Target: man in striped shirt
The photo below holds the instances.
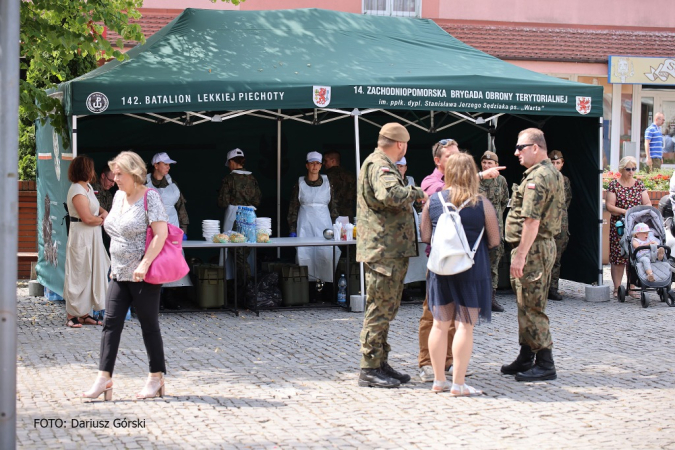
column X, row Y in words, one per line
column 654, row 143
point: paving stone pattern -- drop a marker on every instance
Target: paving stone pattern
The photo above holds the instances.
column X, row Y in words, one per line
column 288, row 380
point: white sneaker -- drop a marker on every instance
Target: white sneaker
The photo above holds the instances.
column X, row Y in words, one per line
column 427, row 374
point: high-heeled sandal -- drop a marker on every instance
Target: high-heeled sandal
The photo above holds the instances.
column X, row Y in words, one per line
column 154, row 387
column 441, row 386
column 464, row 390
column 102, row 385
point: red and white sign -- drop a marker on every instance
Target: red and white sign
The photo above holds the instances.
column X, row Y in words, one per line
column 321, row 96
column 583, row 105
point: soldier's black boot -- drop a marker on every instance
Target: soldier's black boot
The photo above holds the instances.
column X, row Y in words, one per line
column 496, row 307
column 553, row 294
column 523, row 362
column 543, row 369
column 377, row 378
column 402, row 377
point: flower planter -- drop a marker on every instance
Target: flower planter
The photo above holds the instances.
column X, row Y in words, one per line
column 656, row 196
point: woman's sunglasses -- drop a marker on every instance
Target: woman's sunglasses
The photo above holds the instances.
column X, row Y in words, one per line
column 630, row 169
column 446, row 142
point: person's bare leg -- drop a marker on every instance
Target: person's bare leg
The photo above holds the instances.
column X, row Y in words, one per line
column 617, row 275
column 462, row 347
column 438, row 348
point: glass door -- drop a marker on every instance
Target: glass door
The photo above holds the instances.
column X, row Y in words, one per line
column 668, row 130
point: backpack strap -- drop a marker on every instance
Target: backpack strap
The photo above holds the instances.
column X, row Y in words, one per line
column 449, row 204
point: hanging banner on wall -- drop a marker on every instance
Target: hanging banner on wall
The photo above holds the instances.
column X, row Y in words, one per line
column 641, row 70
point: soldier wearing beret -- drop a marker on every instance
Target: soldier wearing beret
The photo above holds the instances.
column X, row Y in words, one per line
column 386, row 239
column 533, row 220
column 562, row 238
column 497, row 191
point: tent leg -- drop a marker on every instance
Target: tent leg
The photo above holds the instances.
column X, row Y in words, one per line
column 74, row 139
column 600, row 168
column 357, row 139
column 279, row 181
column 9, row 138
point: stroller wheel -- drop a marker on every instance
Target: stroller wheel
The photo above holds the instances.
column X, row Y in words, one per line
column 663, row 294
column 670, row 300
column 643, row 300
column 621, row 294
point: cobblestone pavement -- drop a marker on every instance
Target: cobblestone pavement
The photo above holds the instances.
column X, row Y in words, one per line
column 289, row 380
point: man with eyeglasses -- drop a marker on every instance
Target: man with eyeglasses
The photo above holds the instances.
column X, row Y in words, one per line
column 432, row 184
column 102, row 188
column 533, row 221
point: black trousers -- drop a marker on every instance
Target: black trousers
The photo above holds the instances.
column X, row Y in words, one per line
column 145, row 299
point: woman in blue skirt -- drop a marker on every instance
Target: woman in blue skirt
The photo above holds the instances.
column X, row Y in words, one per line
column 466, row 297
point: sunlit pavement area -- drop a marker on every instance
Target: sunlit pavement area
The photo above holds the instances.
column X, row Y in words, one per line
column 288, row 379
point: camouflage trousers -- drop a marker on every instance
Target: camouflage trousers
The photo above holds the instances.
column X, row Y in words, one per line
column 532, row 293
column 384, row 286
column 495, row 258
column 561, row 241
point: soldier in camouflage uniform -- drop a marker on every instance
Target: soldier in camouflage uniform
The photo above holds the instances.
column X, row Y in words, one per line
column 562, row 238
column 343, row 183
column 239, row 188
column 533, row 220
column 385, row 241
column 497, row 191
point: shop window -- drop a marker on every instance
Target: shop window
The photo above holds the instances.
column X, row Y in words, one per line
column 400, row 8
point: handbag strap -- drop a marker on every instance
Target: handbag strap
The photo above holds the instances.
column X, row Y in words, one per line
column 145, row 204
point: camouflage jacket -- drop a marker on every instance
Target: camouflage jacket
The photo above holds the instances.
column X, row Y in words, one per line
column 239, row 188
column 294, row 205
column 539, row 196
column 568, row 200
column 497, row 191
column 386, row 225
column 410, row 181
column 104, row 197
column 183, row 220
column 344, row 189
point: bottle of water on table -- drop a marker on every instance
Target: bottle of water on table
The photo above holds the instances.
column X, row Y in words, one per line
column 342, row 290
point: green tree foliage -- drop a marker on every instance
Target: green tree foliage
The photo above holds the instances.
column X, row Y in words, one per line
column 61, row 40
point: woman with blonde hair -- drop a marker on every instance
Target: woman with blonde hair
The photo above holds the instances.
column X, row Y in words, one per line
column 622, row 194
column 126, row 225
column 466, row 297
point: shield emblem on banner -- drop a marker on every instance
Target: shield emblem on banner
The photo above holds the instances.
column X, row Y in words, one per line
column 321, row 96
column 583, row 105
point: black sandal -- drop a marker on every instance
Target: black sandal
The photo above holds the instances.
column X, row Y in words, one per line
column 73, row 323
column 84, row 318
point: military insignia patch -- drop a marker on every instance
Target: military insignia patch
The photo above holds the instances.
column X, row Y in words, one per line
column 531, row 185
column 385, row 169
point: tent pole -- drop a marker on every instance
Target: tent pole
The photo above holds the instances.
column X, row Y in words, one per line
column 279, row 180
column 600, row 168
column 9, row 138
column 356, row 114
column 74, row 143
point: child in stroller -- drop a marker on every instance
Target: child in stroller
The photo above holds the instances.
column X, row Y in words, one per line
column 641, row 239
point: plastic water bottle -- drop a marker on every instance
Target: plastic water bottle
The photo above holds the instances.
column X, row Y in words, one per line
column 342, row 290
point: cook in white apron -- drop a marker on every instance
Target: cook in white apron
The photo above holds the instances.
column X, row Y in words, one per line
column 170, row 196
column 313, row 218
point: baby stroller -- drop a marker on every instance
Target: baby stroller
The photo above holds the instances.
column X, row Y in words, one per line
column 635, row 274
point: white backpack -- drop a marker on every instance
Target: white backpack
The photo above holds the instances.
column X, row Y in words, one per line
column 450, row 252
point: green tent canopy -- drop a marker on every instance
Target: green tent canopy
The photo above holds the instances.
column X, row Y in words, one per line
column 206, row 60
column 212, row 80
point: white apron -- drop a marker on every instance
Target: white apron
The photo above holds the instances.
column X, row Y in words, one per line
column 313, row 218
column 228, row 224
column 170, row 196
column 417, row 266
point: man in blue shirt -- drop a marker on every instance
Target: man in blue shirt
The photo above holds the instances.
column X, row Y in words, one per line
column 654, row 143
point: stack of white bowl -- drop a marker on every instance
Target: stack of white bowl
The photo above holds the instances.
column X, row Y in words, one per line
column 263, row 223
column 209, row 228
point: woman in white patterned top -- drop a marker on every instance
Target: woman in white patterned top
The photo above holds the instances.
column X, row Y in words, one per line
column 126, row 225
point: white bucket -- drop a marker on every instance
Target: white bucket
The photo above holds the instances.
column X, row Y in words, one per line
column 357, row 303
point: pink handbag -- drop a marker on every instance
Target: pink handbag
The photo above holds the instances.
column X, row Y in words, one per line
column 170, row 264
